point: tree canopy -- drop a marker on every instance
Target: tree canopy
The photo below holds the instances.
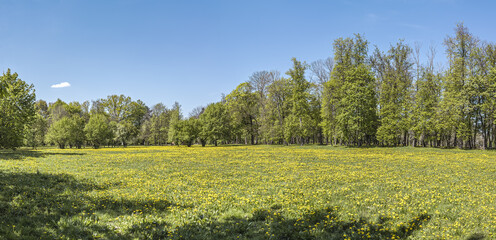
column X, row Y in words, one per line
column 353, row 98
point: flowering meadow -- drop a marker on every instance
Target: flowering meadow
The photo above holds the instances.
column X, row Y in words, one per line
column 247, row 192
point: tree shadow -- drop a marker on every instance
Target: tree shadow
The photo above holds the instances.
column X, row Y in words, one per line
column 22, row 154
column 315, row 224
column 46, row 206
column 476, row 236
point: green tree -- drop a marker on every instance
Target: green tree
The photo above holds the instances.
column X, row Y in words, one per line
column 36, row 131
column 59, row 132
column 260, row 82
column 357, row 120
column 97, row 130
column 160, row 124
column 298, row 123
column 215, row 123
column 117, row 107
column 16, row 109
column 77, row 136
column 488, row 106
column 333, row 89
column 458, row 95
column 42, row 107
column 175, row 117
column 57, row 110
column 144, row 136
column 394, row 75
column 242, row 105
column 278, row 109
column 349, row 101
column 426, row 105
column 125, row 132
column 136, row 113
column 187, row 131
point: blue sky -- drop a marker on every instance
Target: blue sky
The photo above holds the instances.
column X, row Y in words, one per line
column 193, row 51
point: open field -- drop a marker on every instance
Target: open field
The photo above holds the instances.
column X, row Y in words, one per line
column 248, row 192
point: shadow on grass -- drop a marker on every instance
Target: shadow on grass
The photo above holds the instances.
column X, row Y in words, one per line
column 316, row 224
column 477, row 236
column 21, row 154
column 45, row 206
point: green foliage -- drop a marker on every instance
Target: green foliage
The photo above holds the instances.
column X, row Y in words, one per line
column 242, row 105
column 260, row 82
column 137, row 110
column 59, row 132
column 57, row 110
column 74, row 108
column 175, row 117
column 426, row 119
column 97, row 130
column 16, row 109
column 349, row 100
column 215, row 123
column 34, row 134
column 124, row 133
column 77, row 135
column 298, row 123
column 346, row 103
column 116, row 106
column 159, row 124
column 356, row 119
column 278, row 109
column 67, row 131
column 187, row 131
column 394, row 72
column 458, row 86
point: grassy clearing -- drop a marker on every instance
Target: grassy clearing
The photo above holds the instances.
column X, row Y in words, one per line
column 248, row 192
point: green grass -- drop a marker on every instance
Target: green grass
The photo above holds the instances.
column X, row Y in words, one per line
column 247, row 192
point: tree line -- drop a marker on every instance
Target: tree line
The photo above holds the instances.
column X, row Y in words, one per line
column 386, row 98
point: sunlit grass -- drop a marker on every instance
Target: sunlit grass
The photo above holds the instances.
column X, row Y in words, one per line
column 248, row 192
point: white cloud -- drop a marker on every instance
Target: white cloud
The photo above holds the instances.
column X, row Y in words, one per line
column 61, row 85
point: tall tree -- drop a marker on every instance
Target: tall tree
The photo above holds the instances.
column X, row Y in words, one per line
column 260, row 82
column 488, row 105
column 59, row 132
column 124, row 133
column 159, row 124
column 278, row 109
column 175, row 117
column 117, row 106
column 458, row 87
column 242, row 104
column 136, row 113
column 187, row 131
column 16, row 109
column 215, row 123
column 427, row 97
column 321, row 73
column 77, row 136
column 98, row 130
column 349, row 100
column 36, row 131
column 299, row 120
column 394, row 74
column 42, row 108
column 57, row 110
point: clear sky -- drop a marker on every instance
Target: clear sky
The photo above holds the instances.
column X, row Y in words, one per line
column 193, row 51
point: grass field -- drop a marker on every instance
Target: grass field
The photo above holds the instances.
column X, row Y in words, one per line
column 247, row 192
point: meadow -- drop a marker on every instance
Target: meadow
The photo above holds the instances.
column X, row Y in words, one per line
column 247, row 192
